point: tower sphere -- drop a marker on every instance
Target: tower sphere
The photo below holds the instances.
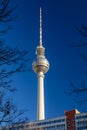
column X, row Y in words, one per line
column 40, row 64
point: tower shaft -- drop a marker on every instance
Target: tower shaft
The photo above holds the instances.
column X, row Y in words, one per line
column 40, row 67
column 40, row 97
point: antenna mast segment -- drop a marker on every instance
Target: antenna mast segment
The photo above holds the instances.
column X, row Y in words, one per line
column 40, row 27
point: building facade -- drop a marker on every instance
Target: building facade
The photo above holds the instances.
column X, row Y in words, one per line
column 73, row 120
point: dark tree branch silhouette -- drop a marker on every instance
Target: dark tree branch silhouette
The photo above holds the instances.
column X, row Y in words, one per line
column 11, row 61
column 10, row 58
column 9, row 113
column 6, row 11
column 80, row 90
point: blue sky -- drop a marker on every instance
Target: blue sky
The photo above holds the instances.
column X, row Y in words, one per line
column 60, row 18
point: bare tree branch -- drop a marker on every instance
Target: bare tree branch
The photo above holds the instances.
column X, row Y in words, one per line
column 11, row 61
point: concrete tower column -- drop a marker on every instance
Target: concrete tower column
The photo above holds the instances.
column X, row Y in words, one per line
column 40, row 97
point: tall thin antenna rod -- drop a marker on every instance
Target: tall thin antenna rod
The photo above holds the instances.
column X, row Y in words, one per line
column 40, row 27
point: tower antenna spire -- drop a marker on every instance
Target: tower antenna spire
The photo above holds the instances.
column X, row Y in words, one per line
column 40, row 27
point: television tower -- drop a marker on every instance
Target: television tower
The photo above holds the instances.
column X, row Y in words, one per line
column 40, row 66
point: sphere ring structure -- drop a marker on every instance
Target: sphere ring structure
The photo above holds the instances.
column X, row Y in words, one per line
column 41, row 64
